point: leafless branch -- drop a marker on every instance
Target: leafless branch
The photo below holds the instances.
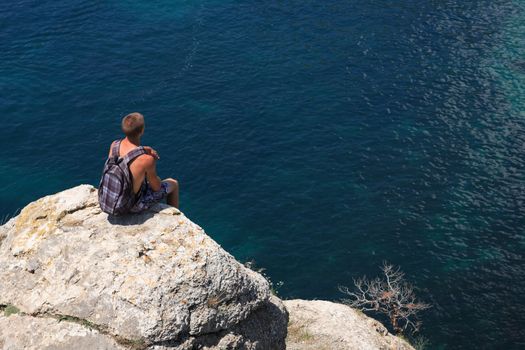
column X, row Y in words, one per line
column 390, row 295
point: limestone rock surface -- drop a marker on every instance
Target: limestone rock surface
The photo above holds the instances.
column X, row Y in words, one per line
column 148, row 281
column 32, row 333
column 323, row 325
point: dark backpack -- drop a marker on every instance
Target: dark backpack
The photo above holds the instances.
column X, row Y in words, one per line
column 115, row 191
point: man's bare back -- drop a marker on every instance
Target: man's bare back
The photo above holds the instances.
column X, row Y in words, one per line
column 142, row 167
column 146, row 183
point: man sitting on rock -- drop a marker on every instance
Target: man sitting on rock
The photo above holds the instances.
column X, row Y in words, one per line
column 138, row 163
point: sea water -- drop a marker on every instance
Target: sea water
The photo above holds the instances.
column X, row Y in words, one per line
column 316, row 138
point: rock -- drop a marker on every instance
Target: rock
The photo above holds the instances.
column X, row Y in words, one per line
column 263, row 329
column 26, row 332
column 148, row 281
column 323, row 325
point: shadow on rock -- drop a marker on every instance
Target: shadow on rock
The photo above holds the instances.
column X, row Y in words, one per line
column 131, row 219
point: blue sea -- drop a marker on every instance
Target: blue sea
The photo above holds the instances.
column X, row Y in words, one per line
column 316, row 138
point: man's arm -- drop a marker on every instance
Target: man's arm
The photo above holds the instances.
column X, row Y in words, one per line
column 151, row 152
column 151, row 173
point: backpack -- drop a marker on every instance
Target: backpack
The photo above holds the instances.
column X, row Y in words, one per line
column 115, row 191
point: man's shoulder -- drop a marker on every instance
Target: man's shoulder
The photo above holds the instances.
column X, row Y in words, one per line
column 114, row 142
column 146, row 160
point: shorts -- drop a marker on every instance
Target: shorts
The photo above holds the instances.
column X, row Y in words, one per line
column 147, row 197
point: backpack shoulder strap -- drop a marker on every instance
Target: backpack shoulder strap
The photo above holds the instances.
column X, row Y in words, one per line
column 115, row 148
column 134, row 153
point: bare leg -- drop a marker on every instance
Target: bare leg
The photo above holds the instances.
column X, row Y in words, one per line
column 173, row 195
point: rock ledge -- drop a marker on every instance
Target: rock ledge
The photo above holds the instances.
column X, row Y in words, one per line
column 149, row 281
column 71, row 277
column 323, row 325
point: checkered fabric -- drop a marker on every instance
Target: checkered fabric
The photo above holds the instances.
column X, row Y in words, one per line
column 115, row 191
column 147, row 197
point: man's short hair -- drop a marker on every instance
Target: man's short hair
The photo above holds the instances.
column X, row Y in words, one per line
column 133, row 124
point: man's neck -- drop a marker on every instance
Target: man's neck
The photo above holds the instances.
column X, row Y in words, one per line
column 134, row 141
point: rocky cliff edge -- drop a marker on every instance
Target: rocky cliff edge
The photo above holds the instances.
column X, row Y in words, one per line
column 149, row 281
column 73, row 278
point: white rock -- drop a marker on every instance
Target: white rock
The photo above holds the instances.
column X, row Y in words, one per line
column 154, row 278
column 323, row 325
column 32, row 333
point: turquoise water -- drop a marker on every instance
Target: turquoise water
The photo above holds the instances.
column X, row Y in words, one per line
column 316, row 138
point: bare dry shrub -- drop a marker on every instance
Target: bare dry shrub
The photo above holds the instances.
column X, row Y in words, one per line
column 390, row 295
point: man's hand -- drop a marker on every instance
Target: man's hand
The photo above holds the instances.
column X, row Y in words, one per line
column 151, row 152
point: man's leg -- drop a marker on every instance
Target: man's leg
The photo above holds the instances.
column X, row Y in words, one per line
column 173, row 192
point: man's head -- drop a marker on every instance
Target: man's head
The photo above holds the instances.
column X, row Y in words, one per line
column 133, row 125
